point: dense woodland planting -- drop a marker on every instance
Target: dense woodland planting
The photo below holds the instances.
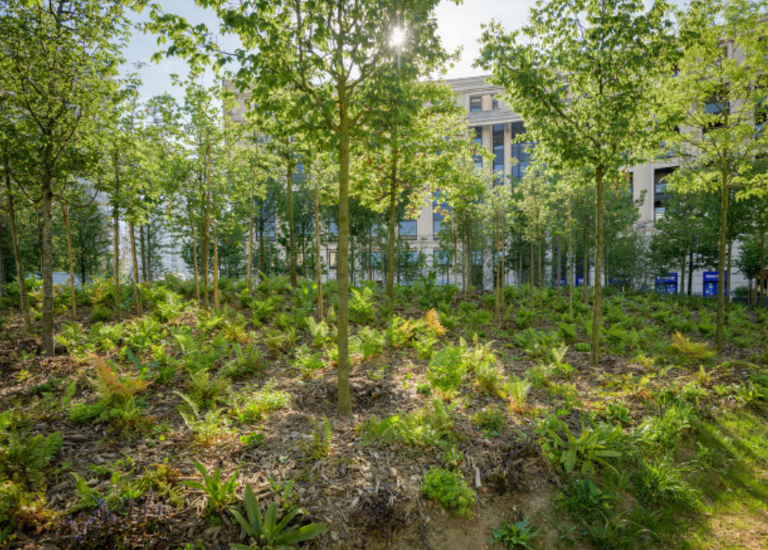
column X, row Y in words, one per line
column 259, row 403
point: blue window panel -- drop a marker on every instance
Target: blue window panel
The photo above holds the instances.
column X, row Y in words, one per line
column 408, row 229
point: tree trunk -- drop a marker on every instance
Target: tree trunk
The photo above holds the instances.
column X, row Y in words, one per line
column 65, row 212
column 570, row 258
column 249, row 268
column 194, row 261
column 728, row 274
column 116, row 234
column 215, row 266
column 345, row 403
column 291, row 238
column 455, row 256
column 531, row 279
column 23, row 298
column 761, row 272
column 205, row 244
column 724, row 196
column 690, row 273
column 47, row 266
column 585, row 267
column 318, row 257
column 559, row 262
column 391, row 231
column 594, row 352
column 541, row 279
column 683, row 270
column 134, row 259
column 498, row 268
column 144, row 240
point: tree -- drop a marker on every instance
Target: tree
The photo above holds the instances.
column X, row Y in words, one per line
column 335, row 56
column 711, row 97
column 581, row 73
column 62, row 59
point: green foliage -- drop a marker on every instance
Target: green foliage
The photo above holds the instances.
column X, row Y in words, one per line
column 661, row 483
column 322, row 436
column 446, row 369
column 24, row 457
column 206, row 390
column 577, row 453
column 207, row 426
column 489, row 420
column 362, row 308
column 450, row 490
column 517, row 390
column 428, row 426
column 514, row 535
column 250, row 406
column 370, row 342
column 247, row 362
column 265, row 532
column 220, row 493
column 307, row 362
column 321, row 332
column 101, row 314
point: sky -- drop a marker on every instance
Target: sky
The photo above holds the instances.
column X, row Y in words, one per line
column 458, row 26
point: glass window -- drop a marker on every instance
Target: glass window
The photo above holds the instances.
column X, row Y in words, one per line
column 475, row 104
column 478, row 139
column 333, row 229
column 498, row 148
column 495, row 101
column 332, row 259
column 408, row 229
column 442, row 258
column 377, row 261
column 269, row 227
column 717, row 105
column 520, row 151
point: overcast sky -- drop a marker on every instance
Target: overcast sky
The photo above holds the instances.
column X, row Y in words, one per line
column 458, row 26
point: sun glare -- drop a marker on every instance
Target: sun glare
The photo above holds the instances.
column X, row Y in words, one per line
column 398, row 36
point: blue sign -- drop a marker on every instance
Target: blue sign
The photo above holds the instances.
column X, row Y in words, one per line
column 711, row 283
column 579, row 281
column 563, row 282
column 667, row 284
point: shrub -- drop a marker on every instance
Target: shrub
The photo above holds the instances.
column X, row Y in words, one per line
column 371, row 342
column 308, row 363
column 691, row 350
column 517, row 390
column 362, row 308
column 490, row 420
column 320, row 445
column 661, row 483
column 24, row 458
column 101, row 314
column 424, row 427
column 450, row 490
column 583, row 347
column 247, row 361
column 321, row 332
column 249, row 406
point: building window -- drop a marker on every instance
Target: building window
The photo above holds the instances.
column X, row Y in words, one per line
column 520, row 151
column 332, row 259
column 717, row 106
column 475, row 104
column 660, row 194
column 442, row 258
column 495, row 101
column 631, row 185
column 408, row 230
column 333, row 229
column 498, row 148
column 478, row 139
column 439, row 210
column 377, row 262
column 761, row 116
column 269, row 228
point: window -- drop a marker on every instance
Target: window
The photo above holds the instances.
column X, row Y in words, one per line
column 408, row 230
column 442, row 258
column 439, row 209
column 478, row 139
column 332, row 259
column 520, row 151
column 377, row 261
column 495, row 101
column 475, row 104
column 269, row 228
column 631, row 176
column 660, row 191
column 333, row 229
column 498, row 148
column 761, row 115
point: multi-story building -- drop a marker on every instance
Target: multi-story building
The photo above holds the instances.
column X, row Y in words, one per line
column 495, row 126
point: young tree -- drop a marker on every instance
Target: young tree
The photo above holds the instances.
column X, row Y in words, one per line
column 335, row 55
column 62, row 59
column 711, row 101
column 582, row 73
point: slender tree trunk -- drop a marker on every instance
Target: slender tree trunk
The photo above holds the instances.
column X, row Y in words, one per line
column 345, row 403
column 728, row 275
column 65, row 212
column 531, row 279
column 761, row 269
column 498, row 268
column 318, row 256
column 262, row 260
column 585, row 267
column 291, row 238
column 144, row 239
column 134, row 259
column 391, row 231
column 215, row 266
column 23, row 298
column 116, row 234
column 455, row 256
column 724, row 196
column 249, row 268
column 195, row 262
column 47, row 266
column 594, row 355
column 559, row 262
column 570, row 258
column 541, row 280
column 205, row 244
column 690, row 273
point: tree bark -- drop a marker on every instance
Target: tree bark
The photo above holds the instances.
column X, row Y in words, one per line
column 570, row 258
column 683, row 270
column 116, row 233
column 215, row 266
column 134, row 260
column 391, row 230
column 47, row 265
column 761, row 271
column 345, row 403
column 65, row 212
column 594, row 352
column 249, row 269
column 204, row 247
column 724, row 196
column 728, row 274
column 194, row 261
column 690, row 273
column 318, row 256
column 531, row 277
column 23, row 298
column 585, row 267
column 541, row 280
column 291, row 238
column 559, row 262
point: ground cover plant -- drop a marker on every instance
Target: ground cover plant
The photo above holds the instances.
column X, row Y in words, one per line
column 167, row 429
